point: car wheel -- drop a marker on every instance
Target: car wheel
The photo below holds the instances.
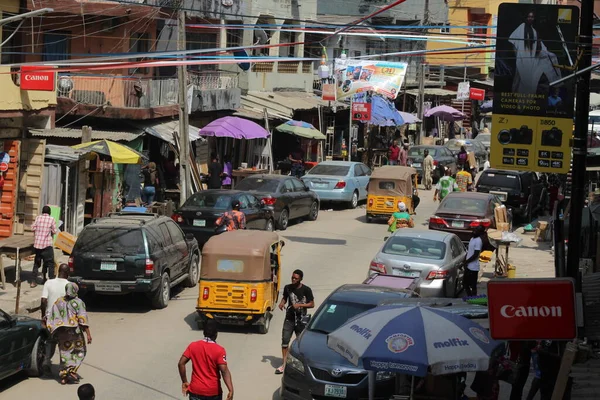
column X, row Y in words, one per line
column 194, row 272
column 264, row 323
column 354, row 201
column 38, row 354
column 458, row 286
column 284, row 219
column 163, row 293
column 314, row 211
column 270, row 225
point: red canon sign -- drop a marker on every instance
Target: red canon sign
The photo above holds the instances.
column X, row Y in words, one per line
column 34, row 79
column 477, row 94
column 532, row 309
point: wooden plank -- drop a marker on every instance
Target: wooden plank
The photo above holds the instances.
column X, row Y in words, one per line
column 30, row 183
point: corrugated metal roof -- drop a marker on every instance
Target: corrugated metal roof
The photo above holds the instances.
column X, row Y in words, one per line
column 76, row 133
column 433, row 92
column 164, row 130
column 63, row 153
column 280, row 104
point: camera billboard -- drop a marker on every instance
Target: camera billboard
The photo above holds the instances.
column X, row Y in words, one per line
column 532, row 122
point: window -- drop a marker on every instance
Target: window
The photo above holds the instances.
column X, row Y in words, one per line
column 258, row 184
column 329, row 169
column 57, row 46
column 334, row 313
column 357, row 53
column 412, row 247
column 243, row 202
column 499, row 180
column 253, row 201
column 366, row 170
column 175, row 232
column 358, row 171
column 139, row 43
column 477, row 206
column 111, row 240
column 377, row 46
column 154, row 239
column 234, row 37
column 457, row 248
column 11, row 45
column 201, row 41
column 213, row 200
column 387, row 185
column 166, row 235
column 445, row 28
column 298, row 185
column 288, row 186
column 234, row 266
column 418, row 151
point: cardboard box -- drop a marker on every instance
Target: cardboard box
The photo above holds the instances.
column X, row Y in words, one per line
column 65, row 241
column 542, row 232
column 500, row 214
column 502, row 226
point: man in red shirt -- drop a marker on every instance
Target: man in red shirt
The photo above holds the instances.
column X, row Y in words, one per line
column 209, row 363
column 393, row 153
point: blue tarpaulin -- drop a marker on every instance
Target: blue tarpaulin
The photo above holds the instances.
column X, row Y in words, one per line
column 384, row 113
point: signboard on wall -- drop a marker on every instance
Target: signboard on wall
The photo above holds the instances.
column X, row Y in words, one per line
column 354, row 76
column 34, row 79
column 463, row 91
column 328, row 92
column 477, row 94
column 532, row 122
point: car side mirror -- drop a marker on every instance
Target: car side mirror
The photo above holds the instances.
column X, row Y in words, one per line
column 306, row 189
column 386, row 238
column 306, row 319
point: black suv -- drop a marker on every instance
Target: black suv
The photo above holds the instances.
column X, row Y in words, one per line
column 134, row 252
column 523, row 190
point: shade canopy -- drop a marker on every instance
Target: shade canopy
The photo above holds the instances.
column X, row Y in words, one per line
column 409, row 118
column 384, row 113
column 302, row 129
column 119, row 154
column 236, row 128
column 445, row 113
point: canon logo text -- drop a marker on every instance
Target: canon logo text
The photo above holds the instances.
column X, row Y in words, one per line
column 37, row 78
column 509, row 311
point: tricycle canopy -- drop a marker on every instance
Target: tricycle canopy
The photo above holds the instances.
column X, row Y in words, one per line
column 392, row 180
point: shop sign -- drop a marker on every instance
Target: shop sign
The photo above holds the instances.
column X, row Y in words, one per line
column 361, row 111
column 477, row 94
column 328, row 92
column 34, row 79
column 463, row 91
column 532, row 122
column 532, row 309
column 383, row 77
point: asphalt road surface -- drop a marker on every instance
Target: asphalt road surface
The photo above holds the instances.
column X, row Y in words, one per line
column 135, row 349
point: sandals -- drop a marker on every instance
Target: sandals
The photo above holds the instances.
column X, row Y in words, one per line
column 279, row 370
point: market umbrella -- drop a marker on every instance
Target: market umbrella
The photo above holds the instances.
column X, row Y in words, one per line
column 236, row 128
column 302, row 129
column 409, row 118
column 445, row 113
column 413, row 339
column 120, row 154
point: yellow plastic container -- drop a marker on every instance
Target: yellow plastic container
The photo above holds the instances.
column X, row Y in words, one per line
column 512, row 272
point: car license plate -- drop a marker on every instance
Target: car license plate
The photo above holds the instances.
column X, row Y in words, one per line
column 336, row 391
column 107, row 287
column 408, row 274
column 320, row 185
column 458, row 224
column 200, row 222
column 417, row 165
column 108, row 266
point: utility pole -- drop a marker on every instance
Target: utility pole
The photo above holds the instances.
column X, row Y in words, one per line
column 184, row 134
column 580, row 141
column 421, row 99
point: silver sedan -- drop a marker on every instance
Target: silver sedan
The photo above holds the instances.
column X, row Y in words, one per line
column 435, row 258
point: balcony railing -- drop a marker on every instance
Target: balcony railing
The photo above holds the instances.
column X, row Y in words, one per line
column 213, row 80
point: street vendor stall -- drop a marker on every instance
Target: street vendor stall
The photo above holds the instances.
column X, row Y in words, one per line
column 19, row 247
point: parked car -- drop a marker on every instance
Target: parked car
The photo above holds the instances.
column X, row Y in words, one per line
column 287, row 197
column 520, row 191
column 22, row 345
column 134, row 252
column 339, row 181
column 434, row 258
column 199, row 214
column 460, row 213
column 485, row 139
column 441, row 156
column 481, row 154
column 314, row 371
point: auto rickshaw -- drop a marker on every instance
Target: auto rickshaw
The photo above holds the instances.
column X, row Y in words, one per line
column 239, row 279
column 388, row 186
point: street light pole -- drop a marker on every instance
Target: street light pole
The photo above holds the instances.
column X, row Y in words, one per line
column 184, row 141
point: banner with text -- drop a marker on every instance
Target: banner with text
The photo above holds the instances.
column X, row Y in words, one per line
column 353, row 76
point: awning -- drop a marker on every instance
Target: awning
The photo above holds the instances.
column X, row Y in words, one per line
column 63, row 153
column 279, row 105
column 165, row 130
column 433, row 92
column 72, row 133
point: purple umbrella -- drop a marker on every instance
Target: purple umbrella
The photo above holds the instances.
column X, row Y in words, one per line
column 236, row 128
column 409, row 118
column 445, row 113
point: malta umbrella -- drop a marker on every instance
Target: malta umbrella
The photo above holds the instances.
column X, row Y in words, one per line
column 445, row 113
column 412, row 340
column 234, row 127
column 119, row 154
column 302, row 129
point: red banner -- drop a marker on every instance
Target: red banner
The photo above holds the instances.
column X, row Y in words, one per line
column 361, row 111
column 477, row 94
column 34, row 79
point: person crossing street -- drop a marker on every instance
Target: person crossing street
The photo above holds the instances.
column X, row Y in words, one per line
column 445, row 185
column 44, row 227
column 427, row 170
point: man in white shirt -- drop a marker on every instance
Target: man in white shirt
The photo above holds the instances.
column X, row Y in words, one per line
column 52, row 291
column 472, row 262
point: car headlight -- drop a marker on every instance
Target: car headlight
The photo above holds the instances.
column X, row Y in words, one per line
column 384, row 376
column 293, row 362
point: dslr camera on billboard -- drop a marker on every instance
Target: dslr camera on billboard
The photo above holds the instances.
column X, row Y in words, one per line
column 552, row 137
column 522, row 135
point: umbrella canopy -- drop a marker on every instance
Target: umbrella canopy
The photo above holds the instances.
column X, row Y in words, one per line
column 236, row 128
column 384, row 113
column 120, row 154
column 445, row 113
column 409, row 118
column 486, row 106
column 302, row 129
column 409, row 340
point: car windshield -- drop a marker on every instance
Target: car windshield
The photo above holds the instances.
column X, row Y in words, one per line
column 457, row 144
column 329, row 169
column 258, row 184
column 499, row 180
column 110, row 240
column 594, row 119
column 418, row 151
column 483, row 138
column 217, row 201
column 464, row 203
column 334, row 313
column 415, row 247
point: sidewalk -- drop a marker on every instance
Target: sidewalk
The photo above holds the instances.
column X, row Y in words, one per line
column 30, row 297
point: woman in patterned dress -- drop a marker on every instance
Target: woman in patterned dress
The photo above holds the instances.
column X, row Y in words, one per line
column 68, row 320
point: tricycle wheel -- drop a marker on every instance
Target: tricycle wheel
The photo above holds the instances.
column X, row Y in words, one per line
column 264, row 323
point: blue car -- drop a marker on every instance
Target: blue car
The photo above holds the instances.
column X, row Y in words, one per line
column 339, row 181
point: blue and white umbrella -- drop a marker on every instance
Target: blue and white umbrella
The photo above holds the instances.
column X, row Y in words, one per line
column 410, row 340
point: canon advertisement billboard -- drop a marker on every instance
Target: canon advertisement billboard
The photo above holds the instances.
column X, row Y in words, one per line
column 532, row 309
column 37, row 78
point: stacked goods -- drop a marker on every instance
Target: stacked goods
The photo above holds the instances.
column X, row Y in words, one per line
column 542, row 231
column 501, row 216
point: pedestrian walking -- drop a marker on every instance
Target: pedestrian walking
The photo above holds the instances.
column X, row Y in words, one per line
column 52, row 291
column 215, row 171
column 150, row 175
column 299, row 298
column 427, row 170
column 67, row 323
column 296, row 157
column 44, row 227
column 445, row 185
column 462, row 157
column 209, row 364
column 86, row 392
column 227, row 173
column 234, row 219
column 400, row 219
column 403, row 155
column 471, row 273
column 393, row 153
column 464, row 179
